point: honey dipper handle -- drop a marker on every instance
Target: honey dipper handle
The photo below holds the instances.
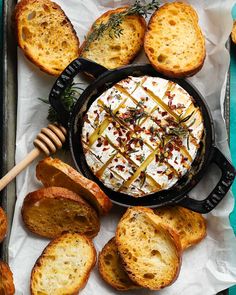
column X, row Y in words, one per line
column 19, row 167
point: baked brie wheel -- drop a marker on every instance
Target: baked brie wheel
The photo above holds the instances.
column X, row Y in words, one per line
column 142, row 135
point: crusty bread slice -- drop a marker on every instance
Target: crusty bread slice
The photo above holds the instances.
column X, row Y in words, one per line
column 3, row 224
column 189, row 225
column 6, row 280
column 64, row 266
column 51, row 211
column 54, row 172
column 45, row 35
column 111, row 268
column 174, row 43
column 151, row 252
column 233, row 33
column 117, row 51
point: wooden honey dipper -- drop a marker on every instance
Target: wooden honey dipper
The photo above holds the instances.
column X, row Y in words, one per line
column 47, row 141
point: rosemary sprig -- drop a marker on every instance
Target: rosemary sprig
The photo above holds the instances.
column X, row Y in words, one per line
column 109, row 111
column 68, row 98
column 185, row 119
column 143, row 177
column 113, row 25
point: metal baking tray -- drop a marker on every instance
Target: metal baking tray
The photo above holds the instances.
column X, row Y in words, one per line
column 8, row 107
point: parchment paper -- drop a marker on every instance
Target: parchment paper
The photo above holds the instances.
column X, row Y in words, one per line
column 208, row 267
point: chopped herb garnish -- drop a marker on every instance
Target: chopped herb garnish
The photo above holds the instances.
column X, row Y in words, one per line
column 113, row 25
column 185, row 119
column 142, row 178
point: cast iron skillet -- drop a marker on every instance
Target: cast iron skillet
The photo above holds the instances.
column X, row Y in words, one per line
column 208, row 153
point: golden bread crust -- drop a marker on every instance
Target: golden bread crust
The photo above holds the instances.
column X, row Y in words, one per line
column 38, row 25
column 174, row 43
column 115, row 52
column 50, row 211
column 54, row 172
column 6, row 280
column 3, row 224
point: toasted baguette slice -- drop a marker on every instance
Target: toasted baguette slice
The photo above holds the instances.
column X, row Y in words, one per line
column 64, row 266
column 174, row 43
column 189, row 225
column 233, row 33
column 151, row 252
column 45, row 35
column 111, row 268
column 51, row 211
column 6, row 280
column 3, row 224
column 54, row 172
column 113, row 52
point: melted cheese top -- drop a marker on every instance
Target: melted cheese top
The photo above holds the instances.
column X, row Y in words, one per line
column 142, row 135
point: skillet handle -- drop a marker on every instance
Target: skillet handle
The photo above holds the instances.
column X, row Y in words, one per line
column 76, row 66
column 220, row 190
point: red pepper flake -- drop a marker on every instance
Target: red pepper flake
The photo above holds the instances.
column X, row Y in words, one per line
column 170, row 96
column 86, row 119
column 177, row 149
column 120, row 167
column 99, row 144
column 145, row 88
column 172, row 107
column 138, row 157
column 105, row 142
column 156, row 159
column 105, row 149
column 159, row 172
column 111, row 175
column 120, row 139
column 170, row 176
column 109, row 127
column 164, row 113
column 116, row 160
column 180, row 106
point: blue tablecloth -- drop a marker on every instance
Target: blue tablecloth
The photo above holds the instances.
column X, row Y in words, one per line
column 233, row 126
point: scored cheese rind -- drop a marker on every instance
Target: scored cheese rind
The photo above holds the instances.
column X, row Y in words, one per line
column 142, row 135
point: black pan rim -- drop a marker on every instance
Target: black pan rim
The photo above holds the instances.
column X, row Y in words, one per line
column 159, row 198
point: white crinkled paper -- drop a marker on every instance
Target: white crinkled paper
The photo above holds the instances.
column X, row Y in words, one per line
column 206, row 268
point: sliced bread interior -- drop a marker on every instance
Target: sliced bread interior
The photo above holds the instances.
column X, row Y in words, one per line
column 189, row 225
column 150, row 251
column 54, row 172
column 111, row 268
column 6, row 280
column 174, row 43
column 114, row 51
column 51, row 211
column 3, row 224
column 45, row 35
column 64, row 266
